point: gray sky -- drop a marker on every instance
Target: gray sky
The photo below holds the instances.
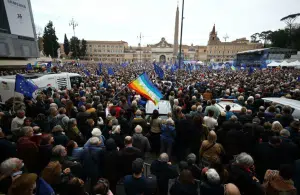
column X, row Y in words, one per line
column 116, row 20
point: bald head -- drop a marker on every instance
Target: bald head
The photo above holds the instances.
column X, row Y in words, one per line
column 231, row 189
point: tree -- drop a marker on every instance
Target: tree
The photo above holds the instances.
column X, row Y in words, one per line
column 279, row 38
column 75, row 47
column 50, row 41
column 66, row 45
column 265, row 36
column 289, row 20
column 255, row 38
column 83, row 48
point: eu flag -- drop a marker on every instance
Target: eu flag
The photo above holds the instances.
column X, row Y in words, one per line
column 86, row 72
column 251, row 70
column 29, row 67
column 110, row 71
column 24, row 86
column 100, row 67
column 98, row 72
column 159, row 71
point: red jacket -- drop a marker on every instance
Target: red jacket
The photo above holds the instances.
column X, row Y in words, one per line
column 27, row 150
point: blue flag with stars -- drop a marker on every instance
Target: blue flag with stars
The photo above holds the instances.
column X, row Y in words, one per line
column 158, row 71
column 86, row 72
column 110, row 71
column 24, row 86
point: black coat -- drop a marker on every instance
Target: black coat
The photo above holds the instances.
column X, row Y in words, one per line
column 268, row 156
column 119, row 140
column 245, row 118
column 44, row 156
column 210, row 189
column 163, row 173
column 286, row 119
column 8, row 149
column 244, row 181
column 228, row 125
column 183, row 189
column 91, row 163
column 127, row 156
column 234, row 143
column 60, row 139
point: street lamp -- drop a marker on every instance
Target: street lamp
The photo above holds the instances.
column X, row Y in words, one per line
column 74, row 24
column 225, row 38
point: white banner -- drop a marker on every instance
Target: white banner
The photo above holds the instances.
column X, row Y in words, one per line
column 19, row 18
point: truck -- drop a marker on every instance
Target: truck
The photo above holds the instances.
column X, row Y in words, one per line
column 60, row 81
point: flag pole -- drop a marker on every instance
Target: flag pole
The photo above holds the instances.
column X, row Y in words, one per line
column 118, row 92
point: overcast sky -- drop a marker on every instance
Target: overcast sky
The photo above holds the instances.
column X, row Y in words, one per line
column 116, row 20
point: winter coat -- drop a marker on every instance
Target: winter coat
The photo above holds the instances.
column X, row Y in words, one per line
column 141, row 142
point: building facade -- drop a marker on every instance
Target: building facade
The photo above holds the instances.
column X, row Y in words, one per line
column 106, row 51
column 165, row 52
column 226, row 51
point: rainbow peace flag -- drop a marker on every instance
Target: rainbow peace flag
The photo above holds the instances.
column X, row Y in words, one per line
column 143, row 86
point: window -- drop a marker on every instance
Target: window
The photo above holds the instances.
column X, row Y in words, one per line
column 90, row 45
column 103, row 45
column 95, row 50
column 99, row 46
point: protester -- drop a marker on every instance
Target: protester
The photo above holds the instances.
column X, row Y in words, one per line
column 140, row 141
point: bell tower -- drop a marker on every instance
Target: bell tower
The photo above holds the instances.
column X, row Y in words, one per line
column 213, row 36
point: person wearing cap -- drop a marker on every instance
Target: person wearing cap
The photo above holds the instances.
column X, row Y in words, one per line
column 23, row 185
column 59, row 136
column 136, row 183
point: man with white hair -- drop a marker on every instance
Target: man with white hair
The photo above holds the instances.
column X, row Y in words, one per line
column 241, row 174
column 211, row 183
column 140, row 141
column 164, row 171
column 10, row 169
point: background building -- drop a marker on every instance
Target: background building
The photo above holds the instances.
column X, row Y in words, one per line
column 106, row 51
column 225, row 51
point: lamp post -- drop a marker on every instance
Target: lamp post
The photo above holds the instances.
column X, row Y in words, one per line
column 180, row 46
column 74, row 24
column 225, row 38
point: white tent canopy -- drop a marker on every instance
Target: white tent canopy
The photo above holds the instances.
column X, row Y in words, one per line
column 273, row 64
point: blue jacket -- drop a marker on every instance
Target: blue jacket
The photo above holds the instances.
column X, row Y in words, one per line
column 168, row 133
column 90, row 161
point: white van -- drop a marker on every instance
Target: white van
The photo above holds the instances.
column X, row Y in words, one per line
column 163, row 107
column 280, row 102
column 54, row 80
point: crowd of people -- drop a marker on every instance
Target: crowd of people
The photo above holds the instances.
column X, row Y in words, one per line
column 95, row 137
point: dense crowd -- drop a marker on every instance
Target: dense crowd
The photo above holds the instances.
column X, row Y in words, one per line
column 96, row 136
